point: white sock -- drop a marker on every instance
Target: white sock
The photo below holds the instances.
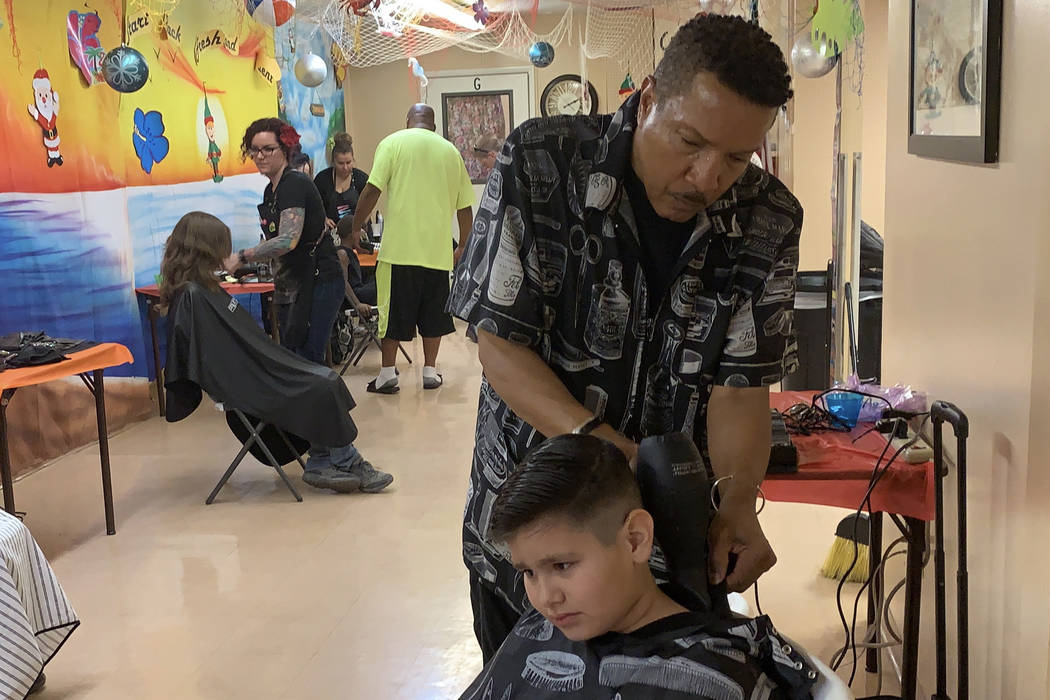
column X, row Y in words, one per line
column 430, row 372
column 386, row 375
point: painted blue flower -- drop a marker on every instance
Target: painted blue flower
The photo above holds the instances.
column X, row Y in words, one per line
column 151, row 146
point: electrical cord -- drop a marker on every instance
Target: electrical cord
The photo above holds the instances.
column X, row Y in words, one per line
column 836, row 658
column 877, row 474
column 856, row 552
column 758, row 605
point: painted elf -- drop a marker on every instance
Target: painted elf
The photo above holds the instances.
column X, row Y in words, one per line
column 45, row 112
column 213, row 149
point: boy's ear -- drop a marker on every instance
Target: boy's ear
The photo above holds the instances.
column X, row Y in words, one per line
column 639, row 530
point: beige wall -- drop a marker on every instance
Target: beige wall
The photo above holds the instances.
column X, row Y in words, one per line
column 876, row 78
column 812, row 142
column 377, row 98
column 966, row 318
column 863, row 130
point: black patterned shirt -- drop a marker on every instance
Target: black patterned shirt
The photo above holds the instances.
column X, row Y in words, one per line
column 553, row 263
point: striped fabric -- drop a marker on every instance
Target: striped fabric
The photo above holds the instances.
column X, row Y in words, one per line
column 35, row 616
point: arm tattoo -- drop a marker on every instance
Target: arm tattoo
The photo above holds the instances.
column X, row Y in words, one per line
column 288, row 232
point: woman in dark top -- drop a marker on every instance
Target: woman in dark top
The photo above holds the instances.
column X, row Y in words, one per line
column 341, row 184
column 308, row 280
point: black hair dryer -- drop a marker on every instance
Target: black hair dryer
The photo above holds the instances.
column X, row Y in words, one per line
column 677, row 492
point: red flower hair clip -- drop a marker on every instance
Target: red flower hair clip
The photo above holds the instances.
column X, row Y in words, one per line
column 289, row 136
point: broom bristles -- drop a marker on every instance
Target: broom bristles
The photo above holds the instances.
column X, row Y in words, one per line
column 841, row 556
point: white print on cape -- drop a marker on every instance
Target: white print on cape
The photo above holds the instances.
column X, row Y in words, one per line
column 557, row 671
column 536, row 627
column 676, row 673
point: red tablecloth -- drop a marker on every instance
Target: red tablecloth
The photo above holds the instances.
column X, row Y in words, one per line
column 230, row 287
column 835, row 471
column 368, row 259
column 99, row 357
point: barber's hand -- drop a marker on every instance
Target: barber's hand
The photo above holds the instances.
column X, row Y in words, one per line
column 364, row 311
column 735, row 529
column 232, row 263
column 329, row 225
column 456, row 255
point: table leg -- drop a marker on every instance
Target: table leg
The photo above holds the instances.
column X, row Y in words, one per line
column 916, row 534
column 5, row 454
column 103, row 450
column 151, row 312
column 874, row 589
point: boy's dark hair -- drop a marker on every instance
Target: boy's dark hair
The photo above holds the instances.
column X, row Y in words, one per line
column 580, row 477
column 741, row 55
column 344, row 227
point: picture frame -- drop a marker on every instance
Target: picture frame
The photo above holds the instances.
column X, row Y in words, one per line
column 955, row 66
column 467, row 116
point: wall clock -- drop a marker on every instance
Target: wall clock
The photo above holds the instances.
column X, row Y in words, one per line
column 564, row 96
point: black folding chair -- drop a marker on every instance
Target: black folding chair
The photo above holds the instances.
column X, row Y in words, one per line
column 258, row 437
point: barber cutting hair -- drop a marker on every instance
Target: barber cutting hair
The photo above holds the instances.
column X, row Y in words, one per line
column 632, row 275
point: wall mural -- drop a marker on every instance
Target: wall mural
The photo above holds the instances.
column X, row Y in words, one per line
column 93, row 179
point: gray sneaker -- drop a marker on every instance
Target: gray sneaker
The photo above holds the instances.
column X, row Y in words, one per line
column 372, row 480
column 334, row 479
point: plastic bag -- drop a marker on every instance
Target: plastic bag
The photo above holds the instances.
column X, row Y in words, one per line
column 900, row 396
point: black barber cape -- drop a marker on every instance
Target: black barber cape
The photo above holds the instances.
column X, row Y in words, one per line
column 688, row 655
column 214, row 344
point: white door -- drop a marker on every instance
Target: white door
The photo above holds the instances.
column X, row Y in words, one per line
column 468, row 105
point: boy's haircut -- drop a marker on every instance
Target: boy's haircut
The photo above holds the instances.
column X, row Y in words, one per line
column 741, row 55
column 345, row 227
column 579, row 477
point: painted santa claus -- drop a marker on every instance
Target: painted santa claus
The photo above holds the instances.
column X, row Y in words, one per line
column 45, row 111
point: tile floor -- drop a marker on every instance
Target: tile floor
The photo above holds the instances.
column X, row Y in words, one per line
column 340, row 596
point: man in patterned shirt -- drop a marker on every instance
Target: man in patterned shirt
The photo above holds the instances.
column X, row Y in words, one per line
column 632, row 274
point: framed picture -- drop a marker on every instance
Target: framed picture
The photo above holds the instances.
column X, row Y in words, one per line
column 956, row 53
column 469, row 116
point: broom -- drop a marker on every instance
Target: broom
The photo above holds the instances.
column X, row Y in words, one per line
column 853, row 529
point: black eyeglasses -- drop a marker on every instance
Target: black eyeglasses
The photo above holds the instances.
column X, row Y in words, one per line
column 265, row 150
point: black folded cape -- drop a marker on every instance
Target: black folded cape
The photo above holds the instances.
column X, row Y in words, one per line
column 214, row 344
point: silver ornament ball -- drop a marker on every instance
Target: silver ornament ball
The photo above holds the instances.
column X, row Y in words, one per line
column 541, row 54
column 812, row 61
column 311, row 70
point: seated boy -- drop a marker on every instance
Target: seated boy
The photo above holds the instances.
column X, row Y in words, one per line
column 571, row 515
column 359, row 292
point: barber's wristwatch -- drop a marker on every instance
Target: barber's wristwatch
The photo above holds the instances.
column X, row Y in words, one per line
column 587, row 426
column 241, row 258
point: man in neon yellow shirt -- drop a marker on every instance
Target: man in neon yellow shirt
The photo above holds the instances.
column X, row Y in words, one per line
column 425, row 182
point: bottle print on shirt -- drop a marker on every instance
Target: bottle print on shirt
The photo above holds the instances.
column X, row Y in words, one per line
column 507, row 273
column 660, row 386
column 608, row 316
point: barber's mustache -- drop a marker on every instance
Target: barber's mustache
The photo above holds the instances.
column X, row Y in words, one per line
column 696, row 199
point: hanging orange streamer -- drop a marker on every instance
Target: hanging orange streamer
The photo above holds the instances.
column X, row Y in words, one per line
column 16, row 51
